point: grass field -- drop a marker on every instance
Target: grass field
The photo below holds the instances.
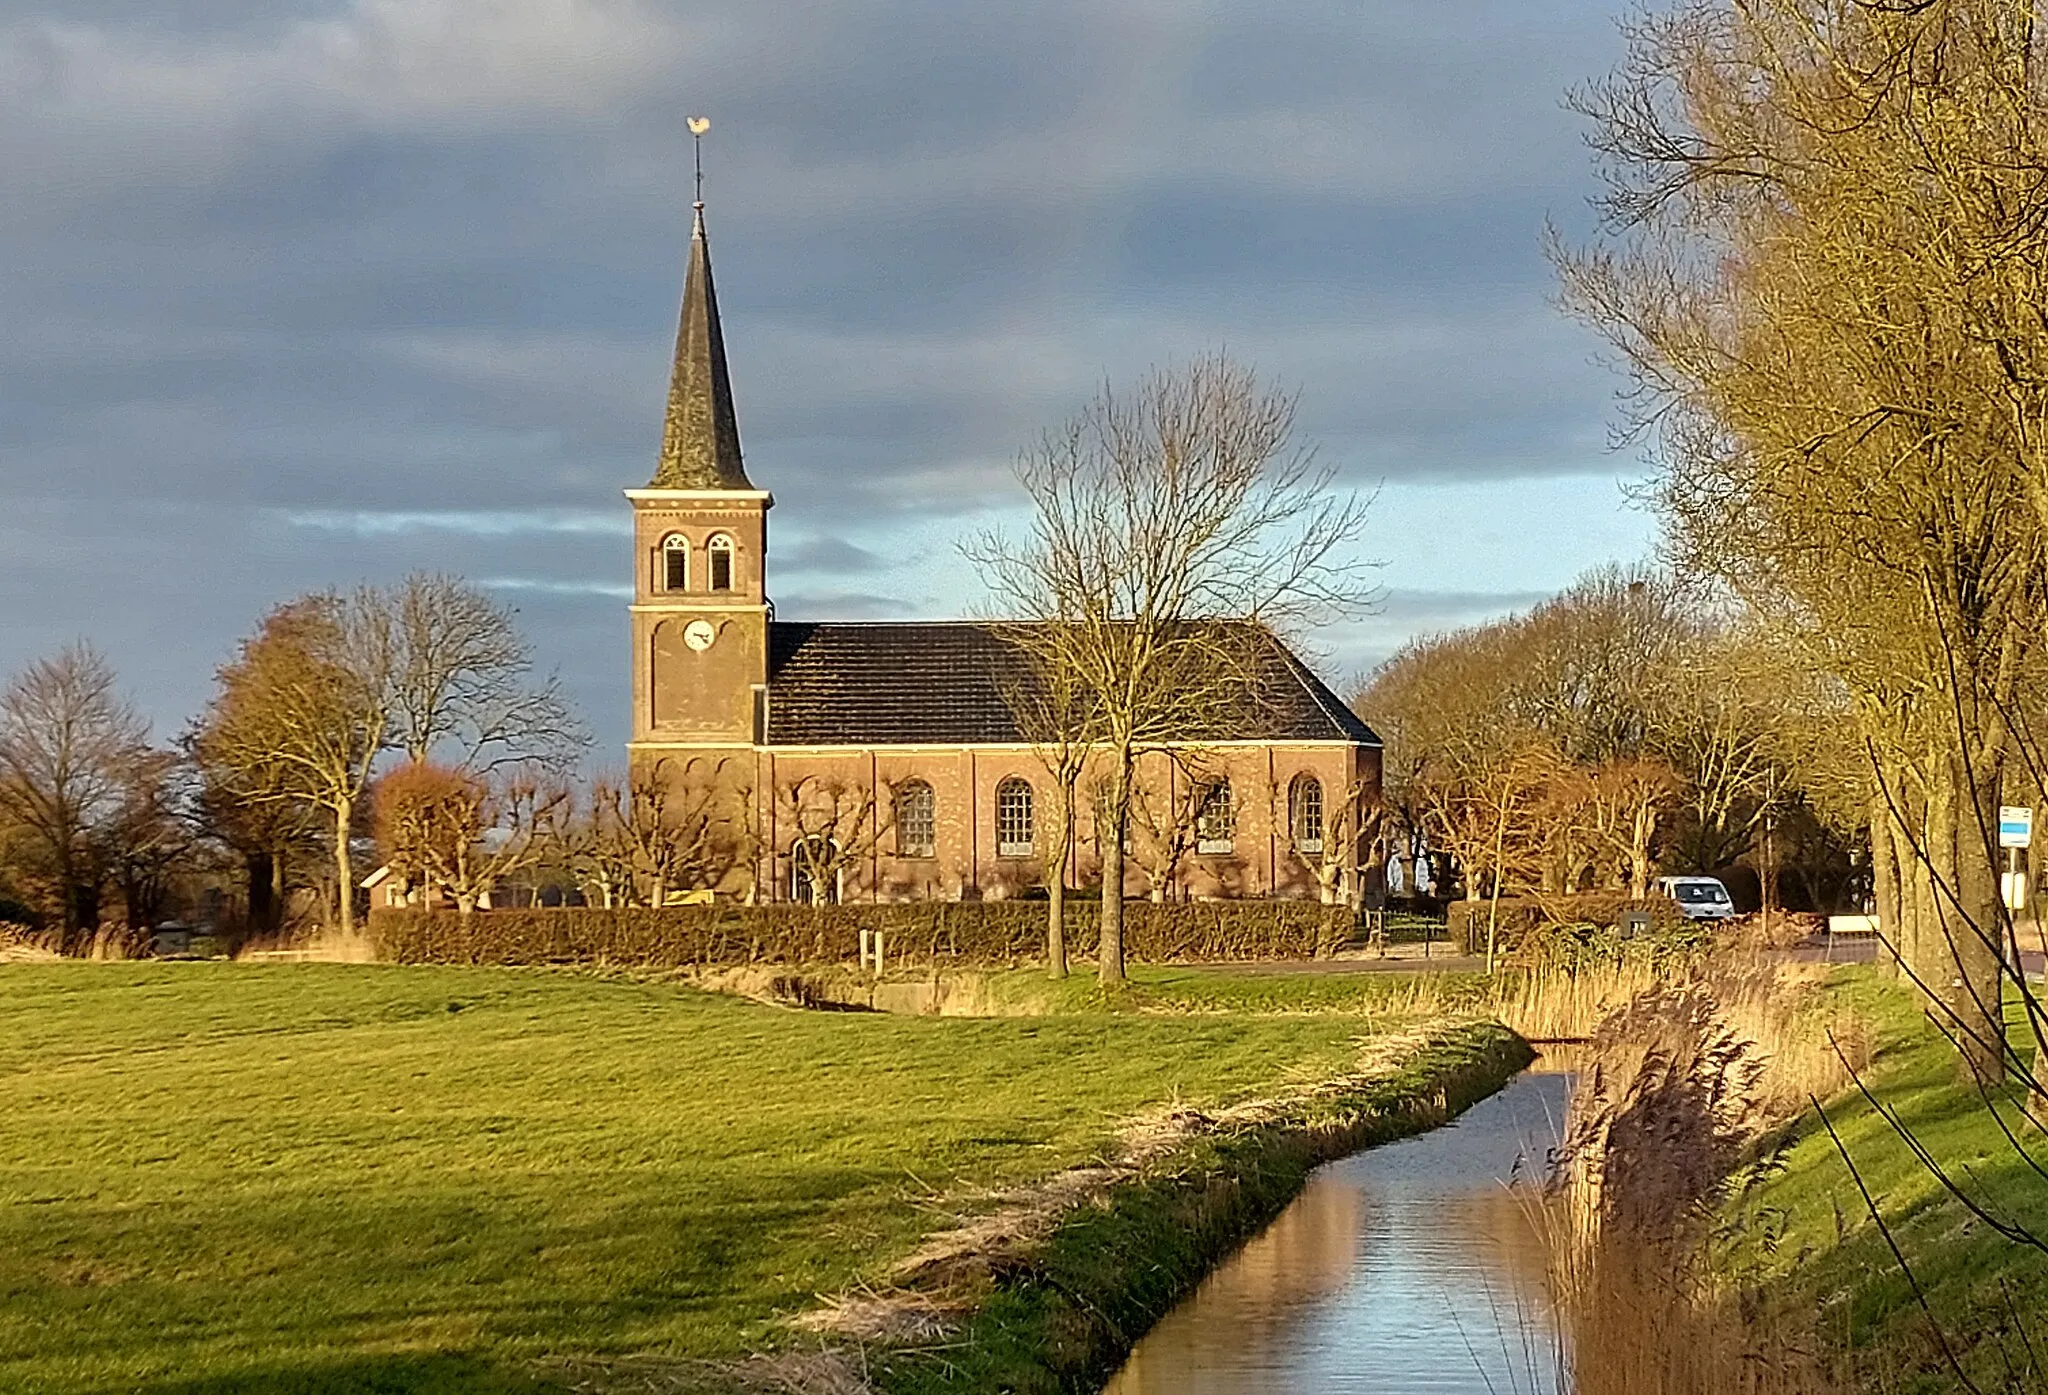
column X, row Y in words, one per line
column 228, row 1178
column 1810, row 1228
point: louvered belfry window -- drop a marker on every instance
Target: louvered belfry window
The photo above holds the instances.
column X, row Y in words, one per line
column 719, row 550
column 675, row 563
column 916, row 820
column 1014, row 830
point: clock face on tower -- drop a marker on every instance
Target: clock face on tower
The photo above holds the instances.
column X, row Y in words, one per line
column 699, row 635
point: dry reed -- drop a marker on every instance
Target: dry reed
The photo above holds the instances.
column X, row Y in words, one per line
column 1684, row 1080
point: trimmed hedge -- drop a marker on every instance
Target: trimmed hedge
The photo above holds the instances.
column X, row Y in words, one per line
column 922, row 932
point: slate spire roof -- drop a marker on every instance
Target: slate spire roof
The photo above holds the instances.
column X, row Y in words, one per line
column 700, row 439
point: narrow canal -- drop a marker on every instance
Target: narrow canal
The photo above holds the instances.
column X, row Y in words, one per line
column 1408, row 1268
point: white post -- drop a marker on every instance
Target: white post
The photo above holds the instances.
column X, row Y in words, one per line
column 864, row 946
column 878, row 953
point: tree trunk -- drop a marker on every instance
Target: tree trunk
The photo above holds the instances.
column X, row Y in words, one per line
column 1929, row 961
column 1884, row 877
column 1056, row 885
column 1109, row 956
column 344, row 867
column 1980, row 930
column 262, row 908
column 1641, row 833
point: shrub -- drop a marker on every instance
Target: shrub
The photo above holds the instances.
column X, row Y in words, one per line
column 980, row 933
column 1522, row 918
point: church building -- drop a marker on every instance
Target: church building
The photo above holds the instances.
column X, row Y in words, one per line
column 880, row 760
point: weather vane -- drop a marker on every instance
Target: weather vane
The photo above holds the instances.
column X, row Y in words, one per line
column 698, row 126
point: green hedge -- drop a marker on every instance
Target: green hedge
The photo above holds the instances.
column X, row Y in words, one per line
column 1521, row 916
column 925, row 932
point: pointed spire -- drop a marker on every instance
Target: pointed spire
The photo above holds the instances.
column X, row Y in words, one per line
column 700, row 440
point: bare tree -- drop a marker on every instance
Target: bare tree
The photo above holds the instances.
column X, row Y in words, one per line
column 675, row 826
column 71, row 754
column 1325, row 838
column 463, row 678
column 1164, row 815
column 464, row 833
column 1056, row 712
column 834, row 825
column 1170, row 528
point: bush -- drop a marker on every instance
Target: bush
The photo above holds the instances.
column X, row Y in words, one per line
column 1523, row 917
column 928, row 932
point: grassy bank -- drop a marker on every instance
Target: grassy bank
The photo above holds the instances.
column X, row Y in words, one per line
column 222, row 1178
column 1808, row 1233
column 1061, row 1317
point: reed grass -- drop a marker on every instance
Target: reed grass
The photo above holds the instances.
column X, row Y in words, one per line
column 1683, row 1083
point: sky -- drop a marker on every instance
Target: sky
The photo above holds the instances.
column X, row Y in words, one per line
column 302, row 294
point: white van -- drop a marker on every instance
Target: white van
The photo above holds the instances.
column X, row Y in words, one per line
column 1699, row 898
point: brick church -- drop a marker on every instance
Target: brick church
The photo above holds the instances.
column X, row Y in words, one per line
column 885, row 753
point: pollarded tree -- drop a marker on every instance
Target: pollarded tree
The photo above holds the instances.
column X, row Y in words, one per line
column 463, row 833
column 834, row 825
column 674, row 826
column 1171, row 529
column 1324, row 832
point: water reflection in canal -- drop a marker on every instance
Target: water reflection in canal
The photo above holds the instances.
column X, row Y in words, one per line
column 1404, row 1270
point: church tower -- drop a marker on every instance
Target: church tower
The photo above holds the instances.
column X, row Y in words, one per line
column 700, row 546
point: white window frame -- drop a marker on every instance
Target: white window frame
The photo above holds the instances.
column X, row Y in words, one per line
column 675, row 545
column 1006, row 792
column 797, row 870
column 1216, row 836
column 928, row 845
column 717, row 546
column 1300, row 785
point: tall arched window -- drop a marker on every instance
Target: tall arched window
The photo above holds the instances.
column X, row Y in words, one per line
column 675, row 563
column 1015, row 833
column 1216, row 820
column 815, row 872
column 916, row 820
column 1305, row 813
column 719, row 551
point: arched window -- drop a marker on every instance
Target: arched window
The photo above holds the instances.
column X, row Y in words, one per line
column 1015, row 834
column 815, row 872
column 1216, row 820
column 719, row 550
column 916, row 820
column 1305, row 813
column 675, row 563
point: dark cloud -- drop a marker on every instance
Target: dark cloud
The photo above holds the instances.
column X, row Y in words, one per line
column 310, row 292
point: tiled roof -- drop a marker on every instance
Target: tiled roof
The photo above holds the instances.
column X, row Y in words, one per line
column 942, row 683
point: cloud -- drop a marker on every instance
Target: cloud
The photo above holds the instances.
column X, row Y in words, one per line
column 482, row 523
column 313, row 291
column 838, row 605
column 827, row 555
column 613, row 590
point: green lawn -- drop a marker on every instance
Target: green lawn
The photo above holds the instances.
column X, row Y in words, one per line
column 224, row 1177
column 1811, row 1230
